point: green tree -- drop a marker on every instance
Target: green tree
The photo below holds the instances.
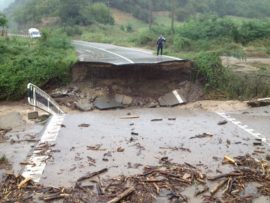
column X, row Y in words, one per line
column 3, row 23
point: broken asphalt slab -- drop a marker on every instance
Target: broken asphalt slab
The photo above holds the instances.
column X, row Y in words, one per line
column 106, row 103
column 171, row 99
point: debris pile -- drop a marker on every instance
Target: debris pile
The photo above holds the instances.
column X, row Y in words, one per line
column 147, row 187
column 259, row 102
column 118, row 94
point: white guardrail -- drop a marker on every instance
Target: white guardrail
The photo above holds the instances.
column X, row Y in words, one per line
column 40, row 99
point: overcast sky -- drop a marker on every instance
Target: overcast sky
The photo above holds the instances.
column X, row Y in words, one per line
column 4, row 3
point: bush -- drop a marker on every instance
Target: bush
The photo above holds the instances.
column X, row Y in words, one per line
column 207, row 27
column 209, row 67
column 182, row 44
column 250, row 31
column 35, row 61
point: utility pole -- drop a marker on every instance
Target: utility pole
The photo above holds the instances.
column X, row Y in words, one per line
column 150, row 20
column 173, row 5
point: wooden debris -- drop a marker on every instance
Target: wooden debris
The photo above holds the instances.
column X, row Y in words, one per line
column 91, row 175
column 224, row 176
column 204, row 135
column 229, row 159
column 130, row 117
column 228, row 187
column 96, row 147
column 55, row 196
column 218, row 186
column 23, row 183
column 123, row 195
column 84, row 125
column 222, row 122
column 156, row 120
column 120, row 149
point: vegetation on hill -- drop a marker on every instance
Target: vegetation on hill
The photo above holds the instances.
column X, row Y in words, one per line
column 37, row 61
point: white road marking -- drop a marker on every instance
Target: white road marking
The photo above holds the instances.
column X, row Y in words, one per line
column 131, row 49
column 37, row 161
column 175, row 58
column 178, row 97
column 244, row 127
column 110, row 52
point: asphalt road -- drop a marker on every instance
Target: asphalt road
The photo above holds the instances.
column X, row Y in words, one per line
column 73, row 152
column 117, row 55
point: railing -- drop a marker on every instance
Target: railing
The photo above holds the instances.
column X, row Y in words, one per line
column 40, row 99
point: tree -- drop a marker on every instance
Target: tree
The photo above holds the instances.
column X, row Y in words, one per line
column 3, row 23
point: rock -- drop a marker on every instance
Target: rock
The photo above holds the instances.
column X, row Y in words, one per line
column 33, row 115
column 106, row 103
column 123, row 99
column 172, row 98
column 84, row 105
column 259, row 102
column 153, row 104
column 11, row 121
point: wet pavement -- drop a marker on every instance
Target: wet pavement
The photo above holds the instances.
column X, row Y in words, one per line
column 126, row 140
column 117, row 55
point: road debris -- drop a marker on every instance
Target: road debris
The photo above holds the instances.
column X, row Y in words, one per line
column 171, row 99
column 147, row 186
column 222, row 122
column 122, row 195
column 259, row 102
column 120, row 149
column 106, row 103
column 91, row 175
column 3, row 132
column 204, row 135
column 96, row 147
column 84, row 125
column 130, row 117
column 156, row 120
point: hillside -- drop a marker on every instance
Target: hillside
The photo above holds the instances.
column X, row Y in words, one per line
column 86, row 12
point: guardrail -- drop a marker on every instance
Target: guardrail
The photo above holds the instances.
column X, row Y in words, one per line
column 40, row 99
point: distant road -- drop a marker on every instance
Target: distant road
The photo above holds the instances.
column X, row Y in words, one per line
column 117, row 55
column 17, row 35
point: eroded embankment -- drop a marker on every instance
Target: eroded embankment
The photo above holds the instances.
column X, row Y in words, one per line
column 129, row 85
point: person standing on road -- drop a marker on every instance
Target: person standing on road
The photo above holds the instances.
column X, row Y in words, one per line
column 160, row 44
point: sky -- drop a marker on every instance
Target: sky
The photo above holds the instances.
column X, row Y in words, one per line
column 5, row 3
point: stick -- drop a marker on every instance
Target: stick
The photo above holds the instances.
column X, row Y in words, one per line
column 24, row 182
column 218, row 186
column 55, row 196
column 129, row 117
column 91, row 175
column 124, row 194
column 229, row 159
column 224, row 176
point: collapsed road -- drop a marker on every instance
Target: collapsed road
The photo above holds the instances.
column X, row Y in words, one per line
column 141, row 154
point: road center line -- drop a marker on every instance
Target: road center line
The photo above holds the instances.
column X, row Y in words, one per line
column 244, row 127
column 41, row 153
column 110, row 52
